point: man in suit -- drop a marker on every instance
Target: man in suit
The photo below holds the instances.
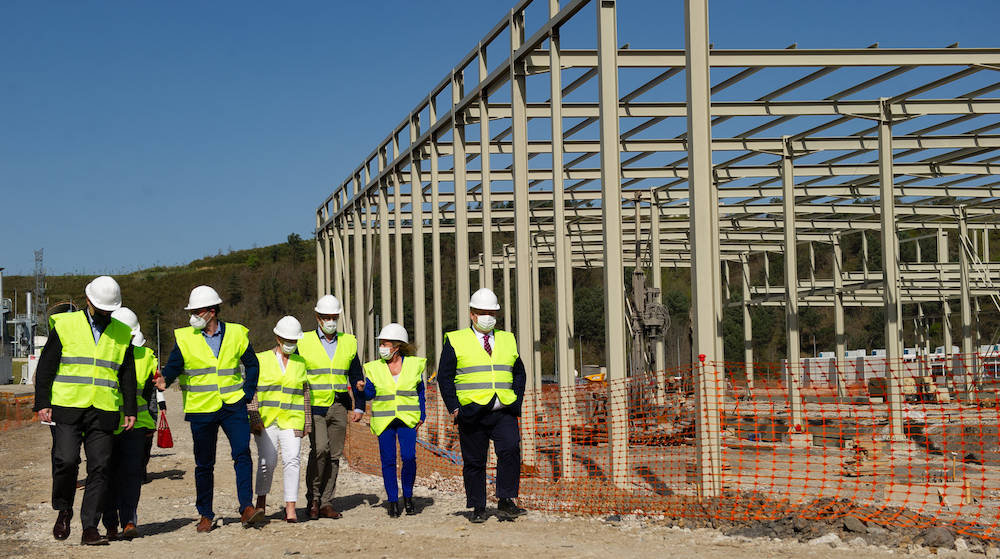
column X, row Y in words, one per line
column 481, row 379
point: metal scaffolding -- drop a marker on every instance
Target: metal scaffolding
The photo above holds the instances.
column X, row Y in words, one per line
column 755, row 153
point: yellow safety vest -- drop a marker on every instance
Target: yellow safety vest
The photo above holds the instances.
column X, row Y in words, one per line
column 395, row 399
column 145, row 366
column 327, row 376
column 281, row 395
column 479, row 375
column 209, row 381
column 88, row 371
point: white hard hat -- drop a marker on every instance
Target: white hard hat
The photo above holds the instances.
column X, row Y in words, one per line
column 328, row 304
column 125, row 314
column 484, row 300
column 104, row 293
column 201, row 297
column 288, row 328
column 394, row 332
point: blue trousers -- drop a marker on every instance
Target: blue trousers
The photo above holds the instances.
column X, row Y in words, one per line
column 205, row 433
column 407, row 437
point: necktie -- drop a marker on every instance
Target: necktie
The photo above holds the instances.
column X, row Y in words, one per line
column 486, row 345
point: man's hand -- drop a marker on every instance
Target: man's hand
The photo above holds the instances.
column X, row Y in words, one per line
column 45, row 415
column 360, row 385
column 306, row 431
column 161, row 383
column 256, row 427
column 454, row 415
column 129, row 422
column 354, row 416
column 417, row 426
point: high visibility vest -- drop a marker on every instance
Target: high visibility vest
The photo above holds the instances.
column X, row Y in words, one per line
column 327, row 376
column 395, row 399
column 281, row 395
column 479, row 375
column 209, row 381
column 145, row 366
column 88, row 371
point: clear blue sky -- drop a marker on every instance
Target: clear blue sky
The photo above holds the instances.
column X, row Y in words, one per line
column 141, row 133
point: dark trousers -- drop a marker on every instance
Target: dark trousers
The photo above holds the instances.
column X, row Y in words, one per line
column 407, row 437
column 204, row 434
column 146, row 451
column 474, row 435
column 126, row 471
column 98, row 444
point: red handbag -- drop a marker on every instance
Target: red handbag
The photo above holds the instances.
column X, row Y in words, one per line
column 163, row 437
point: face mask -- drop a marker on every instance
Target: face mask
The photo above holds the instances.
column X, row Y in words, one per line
column 198, row 322
column 288, row 349
column 385, row 352
column 328, row 326
column 486, row 322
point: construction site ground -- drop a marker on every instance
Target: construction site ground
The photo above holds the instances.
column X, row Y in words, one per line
column 441, row 529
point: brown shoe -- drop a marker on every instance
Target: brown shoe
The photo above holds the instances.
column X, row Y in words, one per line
column 60, row 530
column 326, row 511
column 205, row 524
column 252, row 517
column 92, row 537
column 314, row 510
column 130, row 532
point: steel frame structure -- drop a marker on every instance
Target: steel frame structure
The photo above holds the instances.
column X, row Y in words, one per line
column 729, row 180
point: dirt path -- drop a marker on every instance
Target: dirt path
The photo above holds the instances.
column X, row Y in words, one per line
column 167, row 518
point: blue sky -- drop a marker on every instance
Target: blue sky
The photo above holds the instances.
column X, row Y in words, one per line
column 152, row 133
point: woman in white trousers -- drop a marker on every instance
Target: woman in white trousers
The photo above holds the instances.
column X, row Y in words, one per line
column 281, row 418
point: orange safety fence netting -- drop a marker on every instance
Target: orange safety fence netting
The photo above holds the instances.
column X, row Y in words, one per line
column 838, row 453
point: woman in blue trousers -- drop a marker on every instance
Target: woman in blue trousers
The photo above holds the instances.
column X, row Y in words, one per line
column 394, row 385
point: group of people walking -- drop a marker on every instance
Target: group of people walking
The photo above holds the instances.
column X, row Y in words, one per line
column 95, row 380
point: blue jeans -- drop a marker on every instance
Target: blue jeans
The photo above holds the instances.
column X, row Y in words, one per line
column 407, row 437
column 235, row 424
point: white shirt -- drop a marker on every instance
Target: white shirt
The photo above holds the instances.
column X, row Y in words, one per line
column 488, row 335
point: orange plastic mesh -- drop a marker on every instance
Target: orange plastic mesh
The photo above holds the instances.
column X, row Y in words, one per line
column 841, row 456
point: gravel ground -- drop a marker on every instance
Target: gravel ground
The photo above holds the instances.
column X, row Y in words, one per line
column 440, row 529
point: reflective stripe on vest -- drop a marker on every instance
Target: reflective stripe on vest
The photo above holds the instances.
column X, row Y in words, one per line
column 395, row 398
column 478, row 375
column 88, row 371
column 209, row 381
column 281, row 394
column 327, row 376
column 145, row 366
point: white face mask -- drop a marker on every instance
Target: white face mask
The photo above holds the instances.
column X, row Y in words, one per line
column 485, row 322
column 288, row 349
column 328, row 326
column 385, row 352
column 198, row 322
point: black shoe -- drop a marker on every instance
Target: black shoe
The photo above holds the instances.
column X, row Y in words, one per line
column 408, row 506
column 478, row 516
column 508, row 510
column 92, row 537
column 394, row 509
column 60, row 530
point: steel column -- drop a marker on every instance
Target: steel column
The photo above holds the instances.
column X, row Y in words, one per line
column 747, row 322
column 703, row 261
column 417, row 211
column 890, row 275
column 793, row 362
column 526, row 337
column 611, row 220
column 486, row 275
column 461, row 204
column 840, row 363
column 969, row 361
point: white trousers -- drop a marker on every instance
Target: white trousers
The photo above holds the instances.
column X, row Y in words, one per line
column 267, row 453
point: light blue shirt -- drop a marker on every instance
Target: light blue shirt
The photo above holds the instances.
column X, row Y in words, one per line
column 93, row 327
column 215, row 340
column 329, row 345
